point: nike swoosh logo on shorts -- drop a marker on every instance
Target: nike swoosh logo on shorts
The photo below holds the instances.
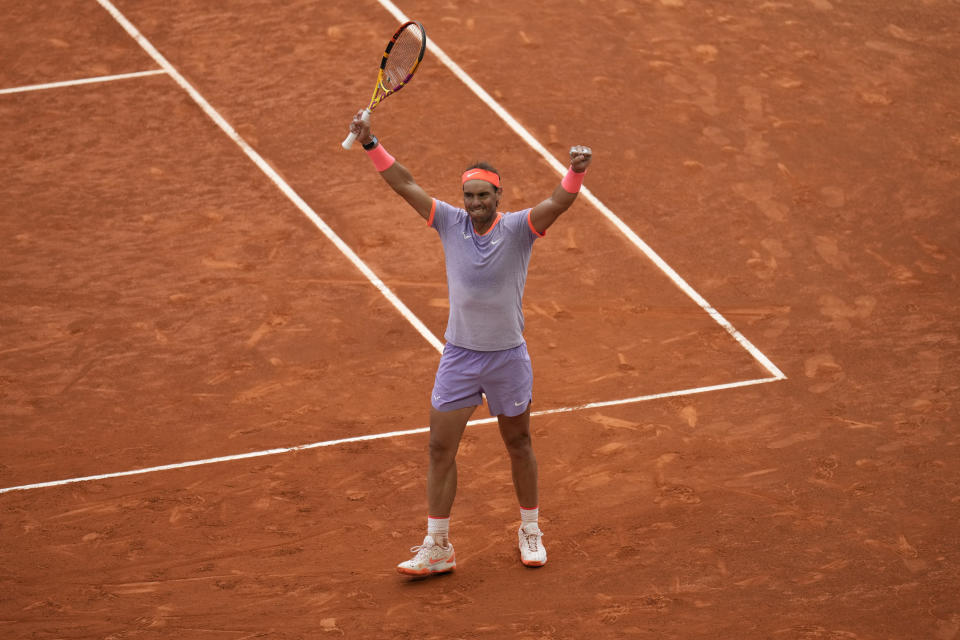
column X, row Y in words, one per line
column 519, row 404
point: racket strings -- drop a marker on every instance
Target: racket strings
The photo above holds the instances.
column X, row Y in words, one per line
column 404, row 57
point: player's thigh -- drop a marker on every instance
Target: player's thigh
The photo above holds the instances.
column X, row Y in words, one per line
column 447, row 427
column 515, row 431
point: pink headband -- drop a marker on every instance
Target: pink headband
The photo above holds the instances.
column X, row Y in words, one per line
column 481, row 174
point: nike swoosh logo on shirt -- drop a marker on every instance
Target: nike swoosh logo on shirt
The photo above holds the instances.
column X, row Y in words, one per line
column 466, row 236
column 495, row 241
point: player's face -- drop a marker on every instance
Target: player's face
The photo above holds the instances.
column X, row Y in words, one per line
column 480, row 199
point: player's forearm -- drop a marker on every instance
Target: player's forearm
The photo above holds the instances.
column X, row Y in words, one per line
column 562, row 199
column 559, row 201
column 394, row 173
column 401, row 181
column 568, row 189
column 398, row 177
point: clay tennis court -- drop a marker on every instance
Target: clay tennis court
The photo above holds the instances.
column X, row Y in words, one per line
column 744, row 338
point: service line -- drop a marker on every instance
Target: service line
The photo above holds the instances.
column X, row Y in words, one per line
column 73, row 83
column 378, row 436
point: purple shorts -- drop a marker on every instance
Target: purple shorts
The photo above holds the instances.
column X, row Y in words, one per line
column 505, row 377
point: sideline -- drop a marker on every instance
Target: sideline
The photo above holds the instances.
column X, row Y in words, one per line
column 275, row 177
column 621, row 226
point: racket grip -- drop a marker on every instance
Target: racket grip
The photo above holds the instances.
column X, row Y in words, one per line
column 348, row 142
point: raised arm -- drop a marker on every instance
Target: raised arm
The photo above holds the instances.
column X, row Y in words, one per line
column 546, row 213
column 394, row 173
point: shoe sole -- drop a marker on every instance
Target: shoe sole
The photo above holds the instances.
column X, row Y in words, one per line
column 424, row 572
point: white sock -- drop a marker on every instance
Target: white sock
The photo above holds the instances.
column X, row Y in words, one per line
column 438, row 529
column 529, row 516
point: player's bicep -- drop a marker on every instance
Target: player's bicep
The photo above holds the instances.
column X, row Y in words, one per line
column 402, row 182
column 417, row 198
column 545, row 214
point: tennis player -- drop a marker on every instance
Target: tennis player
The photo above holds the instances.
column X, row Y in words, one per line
column 487, row 253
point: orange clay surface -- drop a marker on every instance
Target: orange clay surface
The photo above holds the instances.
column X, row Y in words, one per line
column 162, row 301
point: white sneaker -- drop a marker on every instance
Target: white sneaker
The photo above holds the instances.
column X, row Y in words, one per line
column 532, row 552
column 430, row 558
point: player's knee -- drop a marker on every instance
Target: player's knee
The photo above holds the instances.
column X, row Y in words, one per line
column 519, row 445
column 442, row 452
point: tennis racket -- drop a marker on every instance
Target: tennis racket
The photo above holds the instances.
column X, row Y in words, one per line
column 400, row 60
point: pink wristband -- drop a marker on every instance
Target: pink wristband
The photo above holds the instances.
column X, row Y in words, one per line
column 572, row 182
column 381, row 159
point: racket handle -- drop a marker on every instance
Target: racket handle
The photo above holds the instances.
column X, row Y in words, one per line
column 348, row 142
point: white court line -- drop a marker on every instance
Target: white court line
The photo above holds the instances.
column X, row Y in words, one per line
column 273, row 175
column 72, row 83
column 560, row 168
column 376, row 436
column 345, row 249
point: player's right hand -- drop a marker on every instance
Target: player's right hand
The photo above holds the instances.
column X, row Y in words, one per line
column 361, row 127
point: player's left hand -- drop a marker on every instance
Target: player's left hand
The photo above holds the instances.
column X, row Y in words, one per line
column 580, row 157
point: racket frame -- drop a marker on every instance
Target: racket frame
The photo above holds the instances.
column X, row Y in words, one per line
column 380, row 92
